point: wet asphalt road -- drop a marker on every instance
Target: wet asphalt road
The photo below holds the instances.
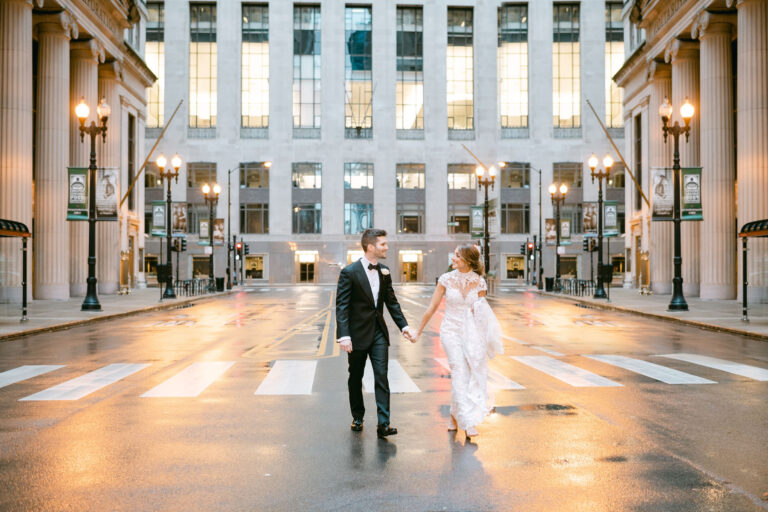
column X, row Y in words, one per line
column 632, row 444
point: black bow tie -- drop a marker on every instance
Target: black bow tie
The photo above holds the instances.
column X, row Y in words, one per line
column 371, row 266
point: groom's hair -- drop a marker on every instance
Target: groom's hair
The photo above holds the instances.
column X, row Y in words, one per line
column 369, row 237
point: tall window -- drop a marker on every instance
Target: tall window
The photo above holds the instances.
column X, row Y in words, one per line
column 358, row 175
column 410, row 176
column 515, row 218
column 616, row 179
column 410, row 68
column 358, row 73
column 202, row 65
column 569, row 173
column 572, row 212
column 152, row 176
column 307, row 218
column 306, row 66
column 307, row 175
column 195, row 213
column 637, row 135
column 566, row 67
column 460, row 70
column 357, row 217
column 461, row 176
column 614, row 58
column 254, row 218
column 458, row 217
column 154, row 52
column 410, row 218
column 513, row 66
column 254, row 107
column 254, row 175
column 516, row 175
column 200, row 173
column 131, row 159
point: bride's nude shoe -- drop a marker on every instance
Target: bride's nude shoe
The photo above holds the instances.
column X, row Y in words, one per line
column 472, row 432
column 451, row 425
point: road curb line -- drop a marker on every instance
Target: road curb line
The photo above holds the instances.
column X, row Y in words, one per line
column 109, row 316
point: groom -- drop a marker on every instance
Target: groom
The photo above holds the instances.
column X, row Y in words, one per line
column 364, row 288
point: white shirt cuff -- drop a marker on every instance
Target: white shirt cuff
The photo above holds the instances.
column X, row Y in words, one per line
column 407, row 329
column 343, row 338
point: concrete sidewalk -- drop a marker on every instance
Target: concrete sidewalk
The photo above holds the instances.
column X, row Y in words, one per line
column 717, row 315
column 52, row 315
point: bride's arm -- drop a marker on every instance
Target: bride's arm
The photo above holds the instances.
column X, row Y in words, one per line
column 433, row 305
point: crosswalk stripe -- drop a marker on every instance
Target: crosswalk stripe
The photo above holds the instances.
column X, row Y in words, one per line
column 745, row 370
column 289, row 377
column 565, row 372
column 652, row 370
column 399, row 381
column 191, row 381
column 84, row 385
column 26, row 372
column 495, row 379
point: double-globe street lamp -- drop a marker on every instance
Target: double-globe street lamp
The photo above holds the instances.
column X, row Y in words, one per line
column 600, row 175
column 91, row 302
column 170, row 173
column 558, row 196
column 485, row 177
column 678, row 302
column 211, row 197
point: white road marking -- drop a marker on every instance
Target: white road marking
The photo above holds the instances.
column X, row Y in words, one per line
column 548, row 351
column 565, row 372
column 496, row 380
column 745, row 370
column 399, row 381
column 510, row 338
column 26, row 372
column 289, row 377
column 654, row 371
column 84, row 385
column 191, row 381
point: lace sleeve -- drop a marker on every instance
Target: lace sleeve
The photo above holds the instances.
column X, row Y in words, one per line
column 443, row 280
column 481, row 286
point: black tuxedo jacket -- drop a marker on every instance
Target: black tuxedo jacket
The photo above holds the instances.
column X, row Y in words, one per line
column 356, row 315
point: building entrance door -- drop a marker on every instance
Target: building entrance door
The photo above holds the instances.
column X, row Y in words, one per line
column 515, row 267
column 306, row 272
column 410, row 271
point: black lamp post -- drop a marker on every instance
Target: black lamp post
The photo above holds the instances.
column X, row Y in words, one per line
column 486, row 177
column 91, row 302
column 169, row 174
column 558, row 196
column 600, row 175
column 678, row 302
column 211, row 197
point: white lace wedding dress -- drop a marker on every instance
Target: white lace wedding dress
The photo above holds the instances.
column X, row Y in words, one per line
column 469, row 334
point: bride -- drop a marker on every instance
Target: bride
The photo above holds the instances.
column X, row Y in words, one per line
column 469, row 334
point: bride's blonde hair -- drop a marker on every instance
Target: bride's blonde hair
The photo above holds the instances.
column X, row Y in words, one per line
column 471, row 254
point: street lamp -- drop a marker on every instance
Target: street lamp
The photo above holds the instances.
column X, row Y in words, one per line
column 485, row 177
column 172, row 172
column 558, row 196
column 91, row 302
column 678, row 302
column 211, row 197
column 600, row 175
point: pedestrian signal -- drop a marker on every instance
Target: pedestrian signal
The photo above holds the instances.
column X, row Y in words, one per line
column 585, row 245
column 522, row 248
column 247, row 249
column 183, row 244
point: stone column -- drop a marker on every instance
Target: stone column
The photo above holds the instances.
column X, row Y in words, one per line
column 660, row 155
column 718, row 229
column 83, row 83
column 51, row 279
column 108, row 155
column 752, row 130
column 684, row 57
column 15, row 135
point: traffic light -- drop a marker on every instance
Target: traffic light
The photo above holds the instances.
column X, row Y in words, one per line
column 238, row 246
column 247, row 249
column 585, row 245
column 522, row 249
column 530, row 247
column 183, row 244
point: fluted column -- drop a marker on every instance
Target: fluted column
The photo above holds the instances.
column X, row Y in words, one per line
column 684, row 57
column 718, row 175
column 108, row 155
column 752, row 130
column 83, row 83
column 660, row 155
column 15, row 135
column 51, row 279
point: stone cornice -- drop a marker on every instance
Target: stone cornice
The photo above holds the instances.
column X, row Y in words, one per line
column 656, row 15
column 658, row 70
column 626, row 69
column 112, row 69
column 708, row 23
column 136, row 62
column 61, row 21
column 678, row 49
column 90, row 48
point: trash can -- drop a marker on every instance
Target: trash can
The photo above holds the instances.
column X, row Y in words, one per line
column 219, row 284
column 549, row 284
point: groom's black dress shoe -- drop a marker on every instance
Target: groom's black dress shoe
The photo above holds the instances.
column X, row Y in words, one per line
column 357, row 425
column 385, row 430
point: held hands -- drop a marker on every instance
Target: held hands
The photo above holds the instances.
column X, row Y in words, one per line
column 346, row 345
column 409, row 335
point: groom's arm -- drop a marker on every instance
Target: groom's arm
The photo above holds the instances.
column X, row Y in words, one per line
column 394, row 307
column 343, row 295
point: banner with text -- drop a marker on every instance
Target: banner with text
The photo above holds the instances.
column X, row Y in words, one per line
column 610, row 218
column 77, row 202
column 107, row 193
column 589, row 218
column 691, row 204
column 158, row 218
column 477, row 219
column 662, row 193
column 550, row 230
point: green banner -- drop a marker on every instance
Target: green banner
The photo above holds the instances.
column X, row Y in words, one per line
column 611, row 218
column 691, row 190
column 77, row 204
column 158, row 218
column 477, row 221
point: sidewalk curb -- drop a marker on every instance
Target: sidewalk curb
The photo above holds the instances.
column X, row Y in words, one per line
column 109, row 316
column 672, row 319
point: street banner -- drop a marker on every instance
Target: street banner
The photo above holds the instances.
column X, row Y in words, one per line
column 179, row 219
column 107, row 193
column 158, row 218
column 565, row 231
column 493, row 216
column 77, row 202
column 550, row 231
column 203, row 234
column 691, row 203
column 477, row 221
column 662, row 193
column 589, row 218
column 218, row 232
column 611, row 218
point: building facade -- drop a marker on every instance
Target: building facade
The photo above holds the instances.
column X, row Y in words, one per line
column 52, row 55
column 715, row 53
column 321, row 119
